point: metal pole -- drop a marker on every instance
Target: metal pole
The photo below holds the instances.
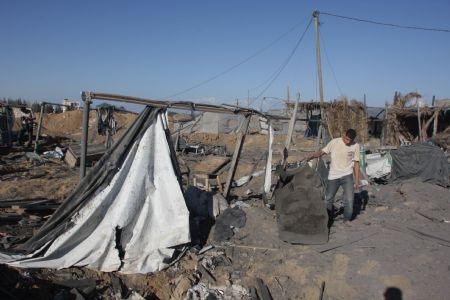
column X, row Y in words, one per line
column 38, row 133
column 228, row 109
column 86, row 97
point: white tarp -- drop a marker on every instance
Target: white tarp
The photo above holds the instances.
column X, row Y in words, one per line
column 377, row 166
column 143, row 200
column 268, row 176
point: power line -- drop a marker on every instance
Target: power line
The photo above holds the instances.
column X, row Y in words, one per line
column 387, row 24
column 270, row 77
column 238, row 64
column 284, row 64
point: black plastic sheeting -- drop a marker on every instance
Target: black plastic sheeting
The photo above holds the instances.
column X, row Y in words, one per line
column 423, row 161
column 231, row 217
column 299, row 202
column 99, row 175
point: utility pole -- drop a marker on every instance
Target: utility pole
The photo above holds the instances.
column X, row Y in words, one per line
column 319, row 73
column 319, row 65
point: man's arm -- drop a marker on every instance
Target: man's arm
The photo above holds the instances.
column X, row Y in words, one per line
column 316, row 154
column 356, row 172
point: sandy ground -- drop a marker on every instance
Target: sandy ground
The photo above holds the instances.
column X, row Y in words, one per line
column 398, row 245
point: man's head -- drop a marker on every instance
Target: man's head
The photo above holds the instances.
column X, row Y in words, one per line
column 349, row 137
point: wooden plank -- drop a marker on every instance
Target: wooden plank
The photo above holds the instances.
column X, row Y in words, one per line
column 291, row 129
column 210, row 165
column 263, row 290
column 236, row 155
column 418, row 119
column 94, row 153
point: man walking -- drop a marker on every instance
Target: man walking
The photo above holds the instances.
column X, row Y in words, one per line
column 344, row 153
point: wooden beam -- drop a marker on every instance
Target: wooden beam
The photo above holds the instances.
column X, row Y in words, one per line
column 236, row 155
column 435, row 123
column 419, row 121
column 290, row 130
column 38, row 133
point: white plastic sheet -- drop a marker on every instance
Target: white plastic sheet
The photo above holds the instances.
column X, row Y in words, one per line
column 377, row 166
column 268, row 176
column 142, row 212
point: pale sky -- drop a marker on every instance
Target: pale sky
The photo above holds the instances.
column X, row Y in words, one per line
column 220, row 51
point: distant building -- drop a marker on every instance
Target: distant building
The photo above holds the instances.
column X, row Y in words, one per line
column 74, row 105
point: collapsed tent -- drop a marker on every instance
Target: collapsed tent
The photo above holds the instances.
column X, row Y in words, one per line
column 423, row 161
column 126, row 215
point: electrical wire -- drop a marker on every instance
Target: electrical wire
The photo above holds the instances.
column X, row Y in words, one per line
column 236, row 65
column 284, row 64
column 271, row 76
column 386, row 24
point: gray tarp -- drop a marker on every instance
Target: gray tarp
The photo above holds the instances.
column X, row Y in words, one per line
column 423, row 161
column 299, row 202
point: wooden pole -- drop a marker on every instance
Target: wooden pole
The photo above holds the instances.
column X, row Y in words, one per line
column 418, row 119
column 236, row 155
column 290, row 130
column 435, row 122
column 384, row 132
column 319, row 72
column 38, row 133
column 366, row 121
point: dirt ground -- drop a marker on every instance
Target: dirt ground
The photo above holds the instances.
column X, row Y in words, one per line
column 398, row 247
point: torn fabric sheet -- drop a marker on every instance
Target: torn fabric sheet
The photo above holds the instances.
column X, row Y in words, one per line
column 129, row 225
column 268, row 176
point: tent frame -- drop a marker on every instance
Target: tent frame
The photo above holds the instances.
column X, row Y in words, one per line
column 88, row 97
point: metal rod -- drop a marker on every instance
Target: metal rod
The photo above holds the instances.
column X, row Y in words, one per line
column 38, row 133
column 171, row 104
column 87, row 103
column 228, row 109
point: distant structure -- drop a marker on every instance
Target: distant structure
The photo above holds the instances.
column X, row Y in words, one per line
column 70, row 105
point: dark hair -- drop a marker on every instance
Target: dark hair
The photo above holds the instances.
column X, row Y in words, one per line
column 351, row 133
